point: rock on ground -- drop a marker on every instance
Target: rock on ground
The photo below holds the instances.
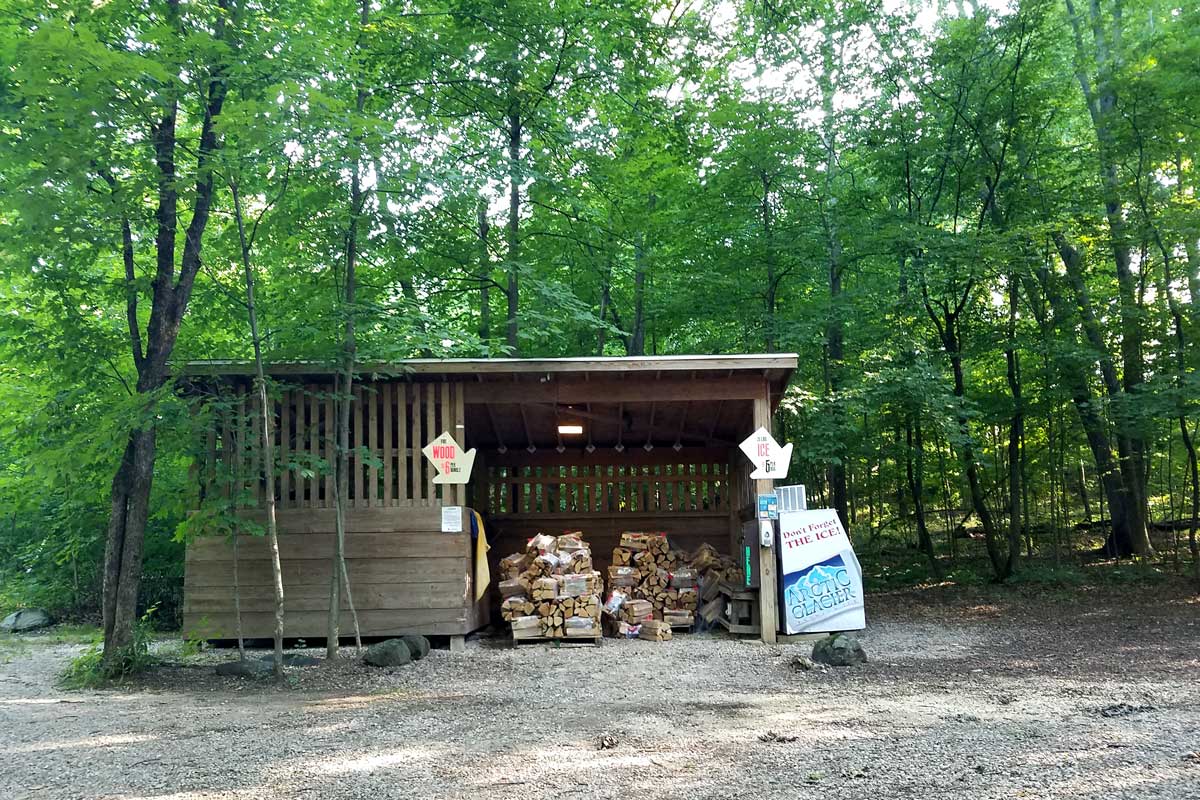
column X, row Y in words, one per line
column 248, row 668
column 839, row 650
column 389, row 653
column 417, row 645
column 27, row 619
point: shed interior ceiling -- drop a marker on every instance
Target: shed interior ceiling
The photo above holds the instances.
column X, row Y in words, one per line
column 690, row 423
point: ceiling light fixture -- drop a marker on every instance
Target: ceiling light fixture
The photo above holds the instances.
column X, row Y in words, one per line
column 571, row 429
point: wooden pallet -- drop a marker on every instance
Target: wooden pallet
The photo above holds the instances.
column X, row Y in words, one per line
column 574, row 641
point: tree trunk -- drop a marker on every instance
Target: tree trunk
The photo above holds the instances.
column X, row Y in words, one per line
column 916, row 488
column 513, row 267
column 637, row 336
column 266, row 437
column 132, row 483
column 1016, row 432
column 340, row 579
column 485, row 271
column 1136, row 537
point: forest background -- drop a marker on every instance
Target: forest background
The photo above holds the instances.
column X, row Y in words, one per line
column 976, row 223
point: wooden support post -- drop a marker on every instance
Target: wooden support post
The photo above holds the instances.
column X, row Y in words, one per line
column 768, row 579
column 458, row 644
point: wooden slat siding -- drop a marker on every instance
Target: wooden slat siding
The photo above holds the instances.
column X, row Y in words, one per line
column 373, row 399
column 316, row 572
column 285, row 435
column 414, row 448
column 430, row 595
column 430, row 433
column 319, row 546
column 314, row 445
column 408, row 576
column 309, row 624
column 256, row 453
column 389, row 413
column 358, row 445
column 210, row 451
column 460, row 433
column 446, row 423
column 403, row 493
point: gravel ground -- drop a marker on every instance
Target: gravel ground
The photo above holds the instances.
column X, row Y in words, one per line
column 1085, row 696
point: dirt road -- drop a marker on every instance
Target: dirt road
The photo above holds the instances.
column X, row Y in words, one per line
column 975, row 699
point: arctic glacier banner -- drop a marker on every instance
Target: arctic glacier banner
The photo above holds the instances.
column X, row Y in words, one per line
column 822, row 581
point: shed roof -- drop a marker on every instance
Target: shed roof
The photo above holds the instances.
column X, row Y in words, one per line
column 698, row 400
column 774, row 366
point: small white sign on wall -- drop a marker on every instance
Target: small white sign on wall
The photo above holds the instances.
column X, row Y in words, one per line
column 452, row 519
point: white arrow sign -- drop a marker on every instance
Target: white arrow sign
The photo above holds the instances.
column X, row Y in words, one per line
column 771, row 460
column 452, row 463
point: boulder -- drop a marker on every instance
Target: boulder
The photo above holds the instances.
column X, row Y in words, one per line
column 417, row 645
column 248, row 668
column 27, row 619
column 839, row 650
column 389, row 653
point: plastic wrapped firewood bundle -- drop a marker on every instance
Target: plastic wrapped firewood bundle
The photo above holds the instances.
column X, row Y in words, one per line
column 571, row 541
column 624, row 576
column 513, row 587
column 622, row 557
column 514, row 565
column 683, row 578
column 581, row 627
column 655, row 631
column 587, row 606
column 545, row 564
column 633, row 540
column 576, row 561
column 634, row 611
column 544, row 589
column 677, row 618
column 612, row 606
column 514, row 607
column 542, row 544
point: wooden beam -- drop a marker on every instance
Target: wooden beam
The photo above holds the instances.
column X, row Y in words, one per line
column 573, row 390
column 768, row 604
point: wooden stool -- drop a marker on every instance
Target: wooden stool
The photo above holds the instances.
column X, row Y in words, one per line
column 741, row 610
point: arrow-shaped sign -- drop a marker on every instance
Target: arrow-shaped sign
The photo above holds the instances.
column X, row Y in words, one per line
column 452, row 463
column 770, row 460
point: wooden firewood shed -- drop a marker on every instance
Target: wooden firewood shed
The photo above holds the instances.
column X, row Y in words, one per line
column 601, row 445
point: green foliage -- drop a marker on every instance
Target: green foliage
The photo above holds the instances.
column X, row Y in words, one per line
column 687, row 180
column 88, row 670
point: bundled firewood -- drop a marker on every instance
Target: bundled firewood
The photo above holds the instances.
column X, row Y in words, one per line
column 513, row 607
column 581, row 627
column 636, row 610
column 514, row 565
column 575, row 561
column 622, row 557
column 627, row 577
column 683, row 578
column 544, row 589
column 705, row 558
column 679, row 619
column 553, row 582
column 527, row 627
column 655, row 631
column 579, row 584
column 513, row 587
column 571, row 541
column 542, row 544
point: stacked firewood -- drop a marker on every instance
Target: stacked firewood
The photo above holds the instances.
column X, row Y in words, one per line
column 650, row 581
column 550, row 590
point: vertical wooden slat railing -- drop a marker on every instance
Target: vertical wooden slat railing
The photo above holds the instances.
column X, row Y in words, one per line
column 610, row 489
column 389, row 424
